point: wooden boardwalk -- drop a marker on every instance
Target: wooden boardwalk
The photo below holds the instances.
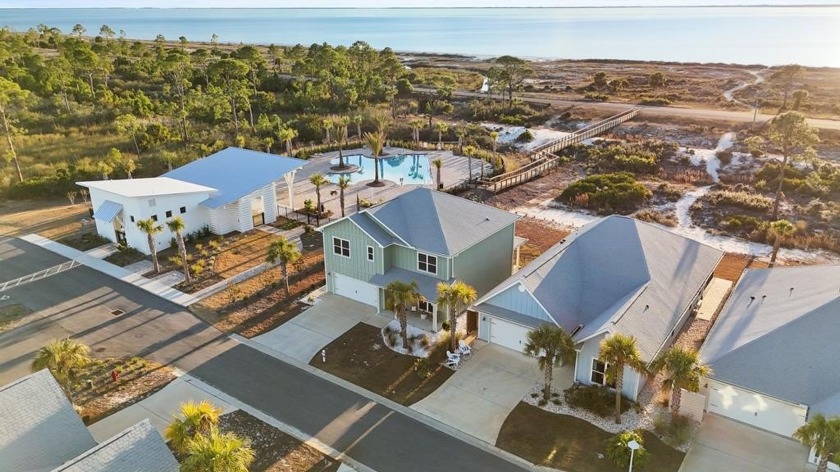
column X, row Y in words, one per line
column 543, row 157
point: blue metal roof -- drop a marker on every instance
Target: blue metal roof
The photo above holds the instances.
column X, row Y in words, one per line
column 107, row 211
column 235, row 172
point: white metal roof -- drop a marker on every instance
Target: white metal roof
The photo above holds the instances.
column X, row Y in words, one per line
column 235, row 173
column 107, row 211
column 151, row 187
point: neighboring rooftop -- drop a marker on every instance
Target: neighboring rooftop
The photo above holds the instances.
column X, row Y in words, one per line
column 616, row 274
column 39, row 429
column 152, row 187
column 140, row 447
column 235, row 173
column 438, row 222
column 777, row 333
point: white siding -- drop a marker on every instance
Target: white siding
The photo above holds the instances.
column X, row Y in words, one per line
column 225, row 219
column 270, row 201
column 245, row 223
column 590, row 350
column 194, row 218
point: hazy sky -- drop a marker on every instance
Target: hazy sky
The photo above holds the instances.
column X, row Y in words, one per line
column 383, row 3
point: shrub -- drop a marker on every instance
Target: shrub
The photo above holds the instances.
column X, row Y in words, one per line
column 747, row 201
column 655, row 101
column 607, row 193
column 655, row 216
column 598, row 97
column 668, row 192
column 542, row 402
column 525, row 137
column 619, row 454
column 423, row 367
column 675, row 430
column 725, row 157
column 445, row 325
column 597, row 400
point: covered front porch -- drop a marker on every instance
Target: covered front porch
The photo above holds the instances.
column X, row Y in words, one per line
column 425, row 314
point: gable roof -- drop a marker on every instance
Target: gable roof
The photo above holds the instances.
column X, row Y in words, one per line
column 152, row 187
column 777, row 333
column 140, row 447
column 235, row 173
column 39, row 429
column 438, row 222
column 616, row 274
column 373, row 229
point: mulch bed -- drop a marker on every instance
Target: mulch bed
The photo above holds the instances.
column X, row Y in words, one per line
column 571, row 444
column 84, row 241
column 359, row 356
column 540, row 236
column 275, row 450
column 258, row 305
column 138, row 379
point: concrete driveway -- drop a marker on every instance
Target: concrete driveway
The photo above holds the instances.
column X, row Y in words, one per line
column 481, row 394
column 306, row 334
column 723, row 444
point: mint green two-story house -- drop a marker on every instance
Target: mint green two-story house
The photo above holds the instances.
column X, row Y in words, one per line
column 423, row 236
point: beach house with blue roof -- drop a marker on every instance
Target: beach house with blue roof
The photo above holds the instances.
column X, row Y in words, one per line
column 231, row 190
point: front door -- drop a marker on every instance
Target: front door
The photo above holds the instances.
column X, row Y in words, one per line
column 472, row 321
column 120, row 237
column 259, row 219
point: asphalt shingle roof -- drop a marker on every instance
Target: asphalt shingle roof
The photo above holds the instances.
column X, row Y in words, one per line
column 139, row 448
column 235, row 173
column 438, row 222
column 618, row 274
column 777, row 334
column 39, row 429
column 372, row 228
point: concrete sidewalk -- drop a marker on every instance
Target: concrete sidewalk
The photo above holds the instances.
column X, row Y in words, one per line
column 151, row 286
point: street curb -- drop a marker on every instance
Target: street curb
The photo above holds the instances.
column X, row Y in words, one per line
column 413, row 414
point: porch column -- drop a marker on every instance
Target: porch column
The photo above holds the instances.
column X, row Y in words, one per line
column 434, row 317
column 517, row 256
column 289, row 177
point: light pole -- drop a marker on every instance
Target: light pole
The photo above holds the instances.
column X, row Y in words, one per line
column 633, row 445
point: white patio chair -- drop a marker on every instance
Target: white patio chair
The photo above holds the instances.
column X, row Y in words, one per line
column 453, row 355
column 453, row 360
column 464, row 348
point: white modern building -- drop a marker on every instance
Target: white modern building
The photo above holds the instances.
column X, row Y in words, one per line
column 231, row 190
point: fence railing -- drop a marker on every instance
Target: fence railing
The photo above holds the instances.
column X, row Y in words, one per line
column 307, row 218
column 543, row 159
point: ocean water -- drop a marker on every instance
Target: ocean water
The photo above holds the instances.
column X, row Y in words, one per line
column 745, row 35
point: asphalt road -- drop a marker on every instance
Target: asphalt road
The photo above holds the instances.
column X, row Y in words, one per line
column 16, row 260
column 78, row 303
column 613, row 108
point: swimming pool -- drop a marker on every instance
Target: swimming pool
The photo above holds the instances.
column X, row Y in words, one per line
column 411, row 168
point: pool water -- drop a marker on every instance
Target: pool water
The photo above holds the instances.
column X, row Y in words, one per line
column 411, row 168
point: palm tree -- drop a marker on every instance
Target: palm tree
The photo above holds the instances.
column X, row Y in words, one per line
column 151, row 228
column 551, row 346
column 343, row 183
column 287, row 135
column 398, row 297
column 318, row 180
column 461, row 132
column 438, row 163
column 683, row 370
column 441, row 128
column 196, row 419
column 217, row 452
column 416, row 125
column 455, row 298
column 327, row 123
column 823, row 435
column 357, row 120
column 375, row 141
column 780, row 230
column 619, row 351
column 285, row 252
column 62, row 357
column 341, row 139
column 176, row 225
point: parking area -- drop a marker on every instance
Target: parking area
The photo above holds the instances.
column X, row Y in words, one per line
column 723, row 444
column 79, row 302
column 481, row 394
column 19, row 258
column 306, row 334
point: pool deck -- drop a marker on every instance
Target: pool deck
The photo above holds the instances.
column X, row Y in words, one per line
column 455, row 169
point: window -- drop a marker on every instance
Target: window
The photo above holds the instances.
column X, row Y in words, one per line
column 154, row 217
column 341, row 247
column 132, row 219
column 424, row 305
column 183, row 210
column 426, row 263
column 599, row 373
column 169, row 213
column 370, row 253
column 152, row 202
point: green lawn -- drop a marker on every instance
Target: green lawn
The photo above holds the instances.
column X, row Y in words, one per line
column 571, row 444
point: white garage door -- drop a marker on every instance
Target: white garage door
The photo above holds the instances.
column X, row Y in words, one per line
column 356, row 289
column 507, row 334
column 757, row 410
